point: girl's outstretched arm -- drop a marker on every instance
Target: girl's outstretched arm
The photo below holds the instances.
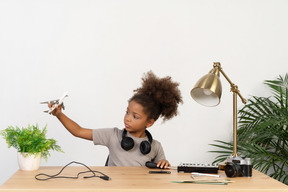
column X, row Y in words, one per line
column 70, row 125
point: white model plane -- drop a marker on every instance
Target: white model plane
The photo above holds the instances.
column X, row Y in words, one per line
column 56, row 102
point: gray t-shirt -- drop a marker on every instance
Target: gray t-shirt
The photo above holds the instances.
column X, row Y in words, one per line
column 111, row 137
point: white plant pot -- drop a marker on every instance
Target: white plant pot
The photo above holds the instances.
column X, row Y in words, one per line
column 28, row 162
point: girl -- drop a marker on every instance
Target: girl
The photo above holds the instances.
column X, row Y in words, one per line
column 134, row 145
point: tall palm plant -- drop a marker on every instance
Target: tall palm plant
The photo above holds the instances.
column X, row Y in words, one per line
column 263, row 132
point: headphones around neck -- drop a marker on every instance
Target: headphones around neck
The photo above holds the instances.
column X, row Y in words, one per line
column 127, row 143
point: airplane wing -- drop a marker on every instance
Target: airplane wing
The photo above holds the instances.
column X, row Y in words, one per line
column 51, row 101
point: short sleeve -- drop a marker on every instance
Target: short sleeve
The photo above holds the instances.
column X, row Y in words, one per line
column 160, row 155
column 103, row 136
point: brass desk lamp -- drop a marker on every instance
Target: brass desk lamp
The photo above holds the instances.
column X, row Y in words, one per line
column 207, row 91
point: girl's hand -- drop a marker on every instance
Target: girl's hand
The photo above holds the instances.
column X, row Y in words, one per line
column 163, row 164
column 57, row 111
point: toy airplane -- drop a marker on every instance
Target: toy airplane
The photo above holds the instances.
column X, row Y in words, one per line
column 57, row 102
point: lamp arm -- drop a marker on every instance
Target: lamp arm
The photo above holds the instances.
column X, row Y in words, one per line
column 234, row 88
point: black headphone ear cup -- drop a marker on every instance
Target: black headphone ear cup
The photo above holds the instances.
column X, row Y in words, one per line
column 145, row 147
column 127, row 143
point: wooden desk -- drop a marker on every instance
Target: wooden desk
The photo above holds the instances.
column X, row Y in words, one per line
column 133, row 179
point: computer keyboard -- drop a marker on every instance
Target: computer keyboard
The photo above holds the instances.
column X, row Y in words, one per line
column 198, row 167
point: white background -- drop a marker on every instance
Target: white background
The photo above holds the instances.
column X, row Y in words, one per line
column 99, row 50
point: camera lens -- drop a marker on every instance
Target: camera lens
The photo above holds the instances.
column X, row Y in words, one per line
column 232, row 170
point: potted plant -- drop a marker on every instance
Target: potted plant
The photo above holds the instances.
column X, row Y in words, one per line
column 31, row 144
column 263, row 132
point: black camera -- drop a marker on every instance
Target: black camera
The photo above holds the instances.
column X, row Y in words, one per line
column 238, row 167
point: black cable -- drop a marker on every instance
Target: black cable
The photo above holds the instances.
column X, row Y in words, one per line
column 103, row 176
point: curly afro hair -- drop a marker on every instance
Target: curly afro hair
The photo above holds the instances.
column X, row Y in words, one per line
column 158, row 96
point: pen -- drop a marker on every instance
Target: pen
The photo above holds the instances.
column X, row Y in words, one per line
column 204, row 174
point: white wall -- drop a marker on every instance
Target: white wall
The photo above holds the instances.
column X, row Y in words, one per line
column 99, row 50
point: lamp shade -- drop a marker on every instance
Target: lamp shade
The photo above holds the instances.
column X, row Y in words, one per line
column 207, row 91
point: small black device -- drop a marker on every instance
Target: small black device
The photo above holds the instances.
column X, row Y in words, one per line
column 238, row 167
column 151, row 165
column 127, row 143
column 198, row 167
column 160, row 172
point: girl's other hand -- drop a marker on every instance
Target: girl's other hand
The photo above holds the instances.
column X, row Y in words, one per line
column 163, row 164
